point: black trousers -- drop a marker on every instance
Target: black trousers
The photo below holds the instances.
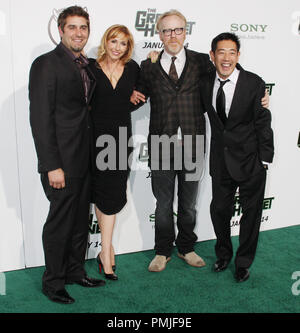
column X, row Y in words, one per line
column 163, row 186
column 65, row 231
column 251, row 196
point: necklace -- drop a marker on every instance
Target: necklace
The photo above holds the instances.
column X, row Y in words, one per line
column 110, row 72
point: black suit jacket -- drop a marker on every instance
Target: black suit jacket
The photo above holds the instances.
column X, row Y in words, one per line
column 59, row 113
column 247, row 138
column 182, row 97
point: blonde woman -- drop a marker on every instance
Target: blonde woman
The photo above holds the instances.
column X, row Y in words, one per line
column 116, row 75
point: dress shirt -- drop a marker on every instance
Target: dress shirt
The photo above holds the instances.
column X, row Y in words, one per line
column 228, row 89
column 165, row 61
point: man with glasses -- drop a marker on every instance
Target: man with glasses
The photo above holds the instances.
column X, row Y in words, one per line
column 172, row 83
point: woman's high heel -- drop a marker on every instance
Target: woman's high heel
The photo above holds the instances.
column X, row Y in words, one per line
column 112, row 276
column 114, row 267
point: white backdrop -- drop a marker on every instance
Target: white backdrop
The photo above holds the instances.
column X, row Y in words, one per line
column 270, row 39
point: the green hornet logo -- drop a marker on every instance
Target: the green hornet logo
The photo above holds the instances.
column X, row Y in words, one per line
column 152, row 217
column 143, row 155
column 269, row 87
column 93, row 226
column 267, row 204
column 146, row 21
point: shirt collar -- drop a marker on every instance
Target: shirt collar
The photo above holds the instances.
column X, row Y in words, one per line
column 233, row 77
column 180, row 57
column 72, row 55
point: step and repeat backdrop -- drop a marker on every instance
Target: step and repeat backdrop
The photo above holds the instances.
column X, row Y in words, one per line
column 270, row 38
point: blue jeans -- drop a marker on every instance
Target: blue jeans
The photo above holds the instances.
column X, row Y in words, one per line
column 163, row 185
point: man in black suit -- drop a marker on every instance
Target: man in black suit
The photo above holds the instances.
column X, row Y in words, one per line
column 60, row 88
column 172, row 83
column 241, row 147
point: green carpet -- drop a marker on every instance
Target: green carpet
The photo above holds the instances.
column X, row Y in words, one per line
column 179, row 288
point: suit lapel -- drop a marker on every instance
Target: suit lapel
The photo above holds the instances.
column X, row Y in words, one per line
column 92, row 84
column 160, row 72
column 209, row 96
column 239, row 93
column 72, row 68
column 189, row 67
column 69, row 64
column 210, row 86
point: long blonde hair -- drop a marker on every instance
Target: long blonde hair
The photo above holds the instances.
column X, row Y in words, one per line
column 111, row 33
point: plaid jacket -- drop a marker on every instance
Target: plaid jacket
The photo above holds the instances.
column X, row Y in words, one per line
column 170, row 101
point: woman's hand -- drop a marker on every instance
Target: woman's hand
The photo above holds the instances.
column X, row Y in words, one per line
column 137, row 97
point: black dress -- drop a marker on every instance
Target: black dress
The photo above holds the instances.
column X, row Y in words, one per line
column 110, row 112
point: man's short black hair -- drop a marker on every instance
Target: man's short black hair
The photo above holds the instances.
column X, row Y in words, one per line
column 225, row 36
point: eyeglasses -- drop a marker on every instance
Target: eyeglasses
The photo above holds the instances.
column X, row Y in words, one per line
column 168, row 32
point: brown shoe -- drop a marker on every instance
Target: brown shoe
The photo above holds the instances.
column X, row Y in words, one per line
column 192, row 259
column 159, row 263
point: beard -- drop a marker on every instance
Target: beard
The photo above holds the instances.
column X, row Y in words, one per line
column 77, row 49
column 173, row 46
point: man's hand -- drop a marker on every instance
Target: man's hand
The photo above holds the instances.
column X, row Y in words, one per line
column 57, row 179
column 137, row 97
column 265, row 100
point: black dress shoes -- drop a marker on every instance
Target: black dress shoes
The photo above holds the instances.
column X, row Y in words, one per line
column 241, row 274
column 221, row 265
column 89, row 282
column 60, row 296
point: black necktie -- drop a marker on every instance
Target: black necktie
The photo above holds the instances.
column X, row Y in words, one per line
column 220, row 102
column 172, row 73
column 82, row 63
